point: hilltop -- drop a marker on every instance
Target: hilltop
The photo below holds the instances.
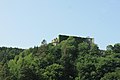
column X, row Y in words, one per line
column 65, row 58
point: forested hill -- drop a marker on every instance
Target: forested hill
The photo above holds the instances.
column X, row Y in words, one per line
column 68, row 60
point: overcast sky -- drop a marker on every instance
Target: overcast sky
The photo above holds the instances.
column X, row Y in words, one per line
column 25, row 23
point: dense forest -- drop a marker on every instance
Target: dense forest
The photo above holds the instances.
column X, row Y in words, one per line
column 68, row 60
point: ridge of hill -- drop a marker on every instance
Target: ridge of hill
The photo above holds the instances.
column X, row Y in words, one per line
column 68, row 60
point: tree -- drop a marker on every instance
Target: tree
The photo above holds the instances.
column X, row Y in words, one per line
column 69, row 54
column 83, row 48
column 112, row 76
column 54, row 72
column 44, row 42
column 116, row 48
column 94, row 50
column 27, row 73
column 109, row 47
column 4, row 72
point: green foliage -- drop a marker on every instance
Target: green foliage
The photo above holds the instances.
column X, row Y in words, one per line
column 109, row 47
column 27, row 73
column 54, row 72
column 69, row 60
column 112, row 76
column 83, row 47
column 8, row 53
column 116, row 48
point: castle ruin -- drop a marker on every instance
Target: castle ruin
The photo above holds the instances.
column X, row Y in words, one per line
column 78, row 39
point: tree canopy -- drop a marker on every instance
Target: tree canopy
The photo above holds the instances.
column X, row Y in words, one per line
column 68, row 60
